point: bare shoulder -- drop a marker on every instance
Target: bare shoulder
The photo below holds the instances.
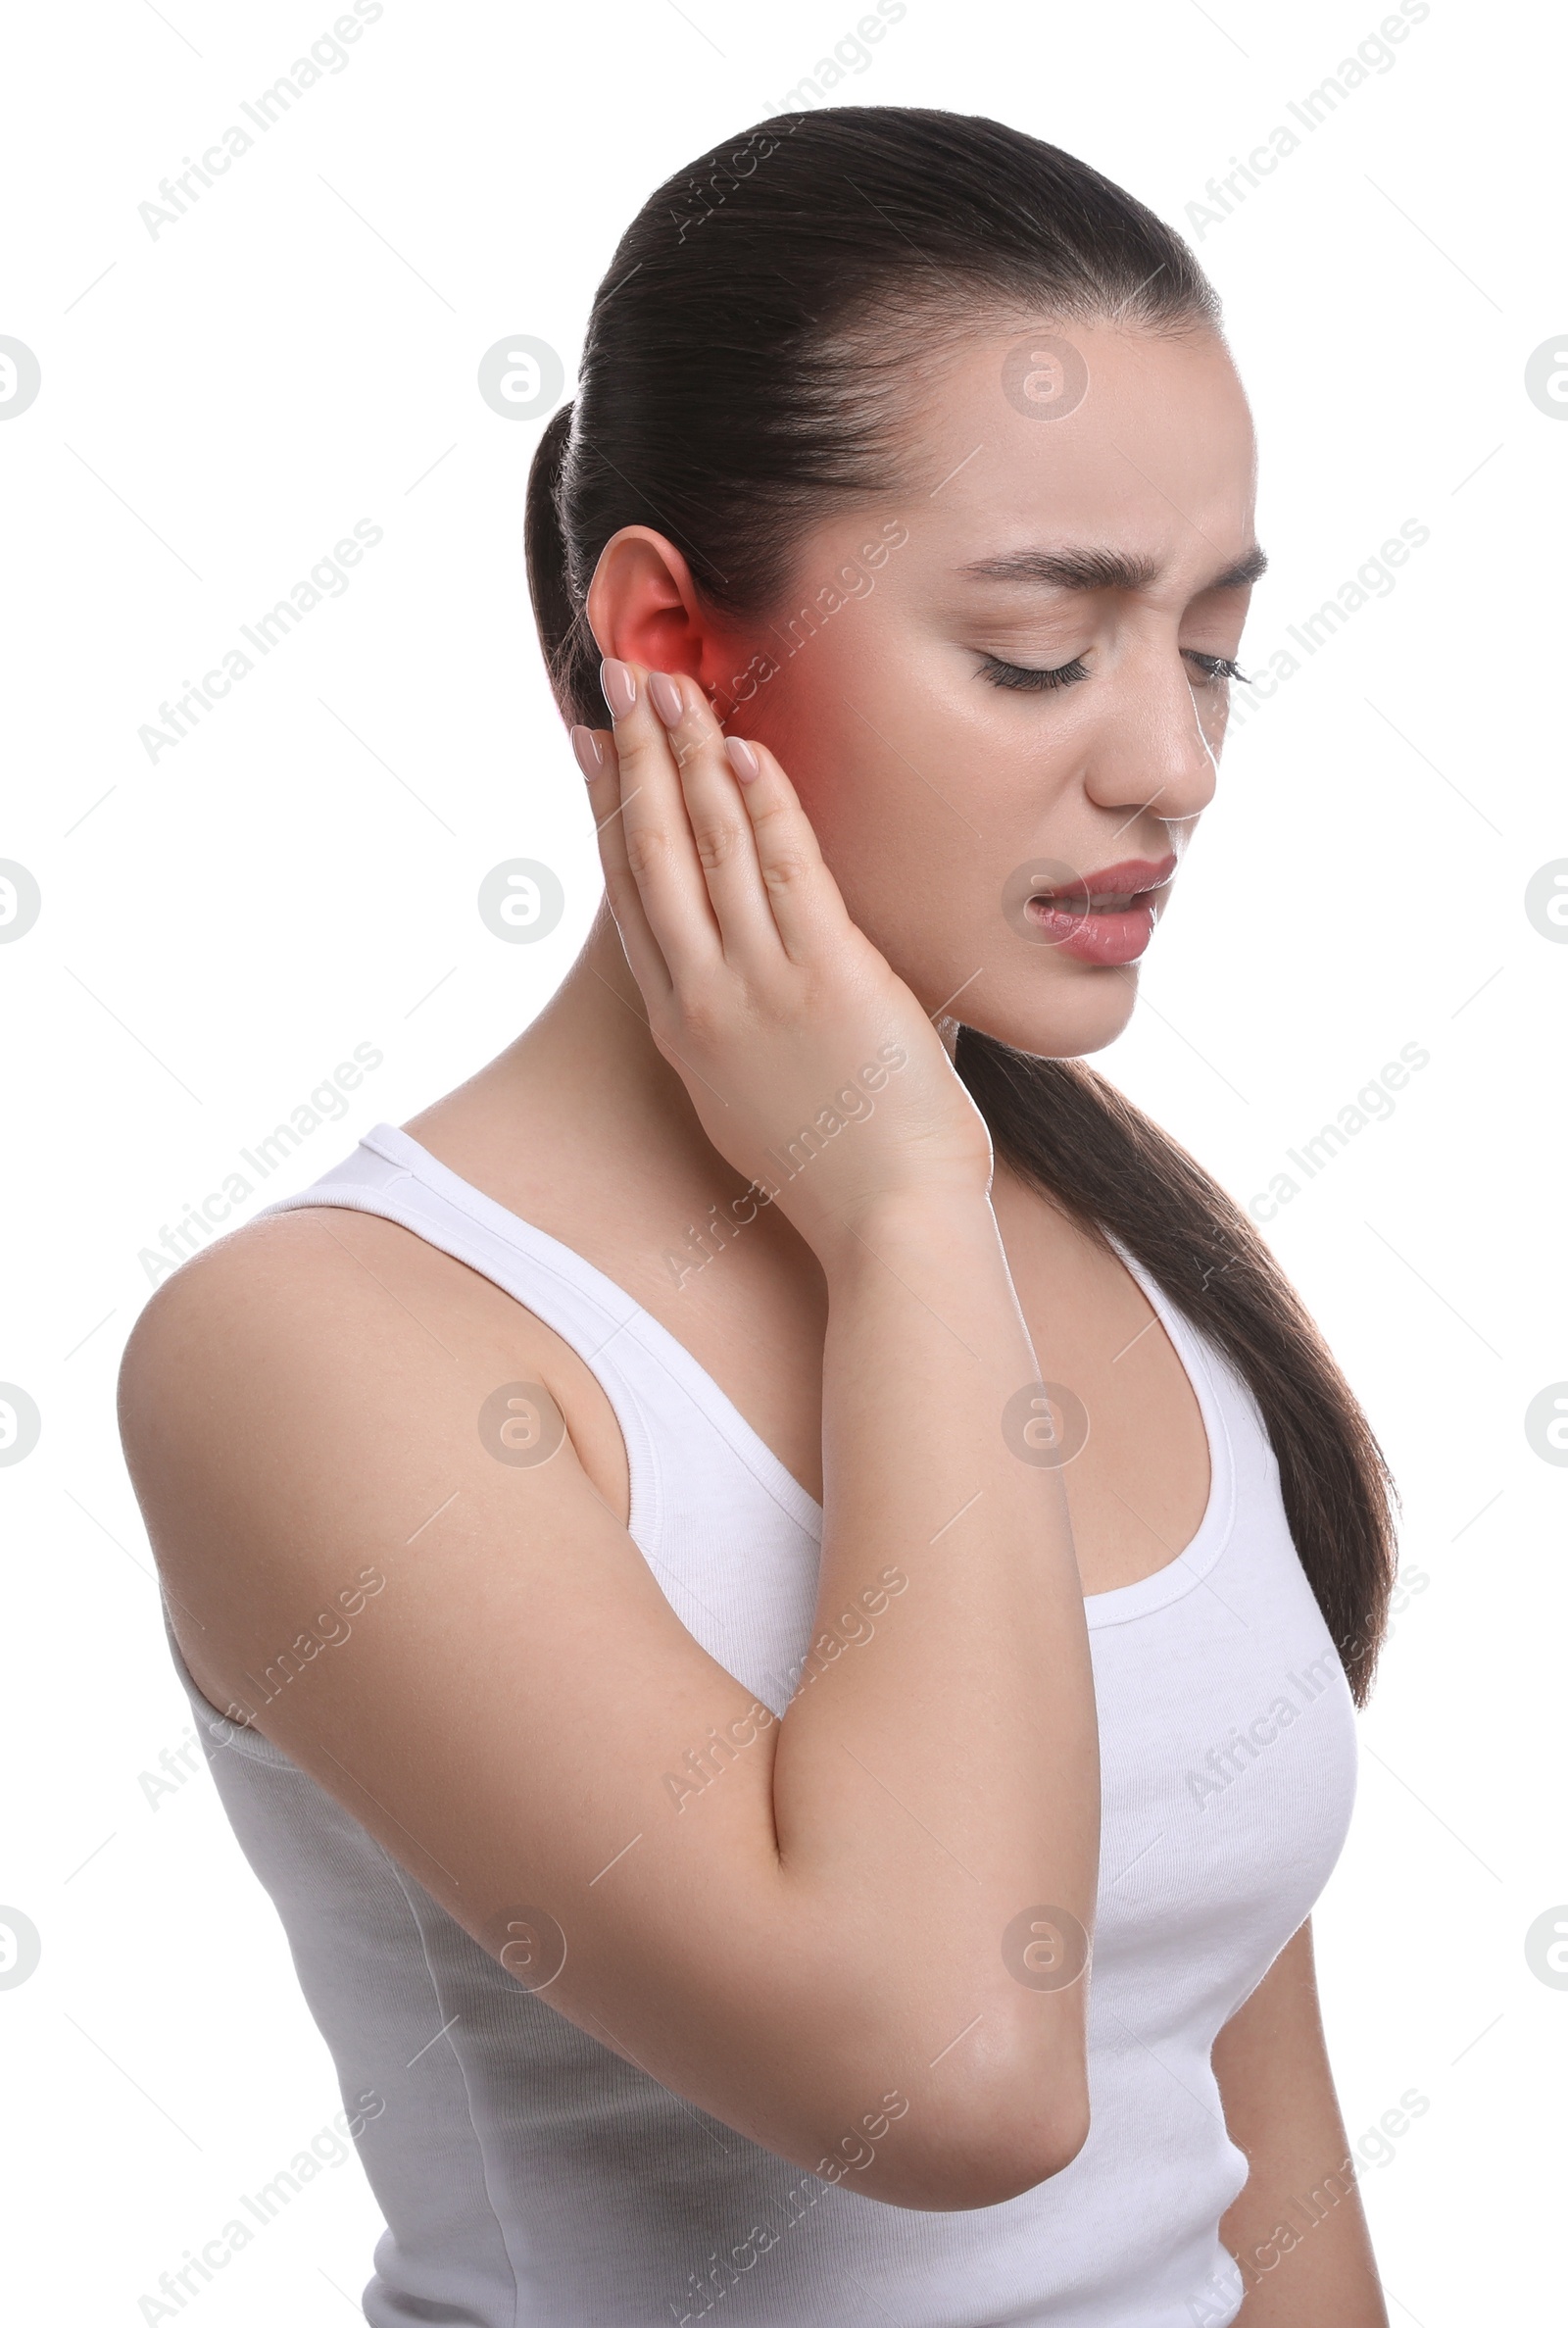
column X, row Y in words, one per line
column 236, row 1308
column 318, row 1379
column 303, row 1302
column 290, row 1298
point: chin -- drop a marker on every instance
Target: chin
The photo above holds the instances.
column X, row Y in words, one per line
column 1086, row 1014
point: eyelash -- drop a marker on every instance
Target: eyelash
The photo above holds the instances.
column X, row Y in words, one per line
column 1029, row 680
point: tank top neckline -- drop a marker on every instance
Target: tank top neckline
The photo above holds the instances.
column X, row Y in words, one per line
column 1166, row 1584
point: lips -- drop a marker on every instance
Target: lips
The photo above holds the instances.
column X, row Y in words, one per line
column 1105, row 918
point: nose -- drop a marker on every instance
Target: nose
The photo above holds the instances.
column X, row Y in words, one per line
column 1152, row 751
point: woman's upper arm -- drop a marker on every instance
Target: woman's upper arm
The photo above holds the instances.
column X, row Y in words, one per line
column 502, row 1711
column 1277, row 2087
column 515, row 1690
column 1276, row 2034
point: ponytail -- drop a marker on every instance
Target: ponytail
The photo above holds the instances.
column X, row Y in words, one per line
column 571, row 655
column 735, row 389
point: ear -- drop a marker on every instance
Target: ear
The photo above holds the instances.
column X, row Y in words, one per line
column 644, row 608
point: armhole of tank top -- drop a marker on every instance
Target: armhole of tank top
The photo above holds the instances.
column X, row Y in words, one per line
column 225, row 1736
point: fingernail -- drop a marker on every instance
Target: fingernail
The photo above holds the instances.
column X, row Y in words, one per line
column 589, row 750
column 620, row 688
column 665, row 698
column 742, row 759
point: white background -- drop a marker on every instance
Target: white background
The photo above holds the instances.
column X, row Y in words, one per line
column 220, row 404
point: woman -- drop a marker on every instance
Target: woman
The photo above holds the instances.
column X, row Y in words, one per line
column 786, row 1577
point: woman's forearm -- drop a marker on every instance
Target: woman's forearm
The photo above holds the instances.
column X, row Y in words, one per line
column 937, row 1783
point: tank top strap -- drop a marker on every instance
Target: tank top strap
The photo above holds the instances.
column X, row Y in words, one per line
column 391, row 1174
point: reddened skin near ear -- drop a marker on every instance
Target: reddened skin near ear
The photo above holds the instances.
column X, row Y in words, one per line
column 644, row 607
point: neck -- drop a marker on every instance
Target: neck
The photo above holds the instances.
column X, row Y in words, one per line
column 585, row 1087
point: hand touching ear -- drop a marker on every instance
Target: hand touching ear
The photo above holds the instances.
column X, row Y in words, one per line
column 779, row 1014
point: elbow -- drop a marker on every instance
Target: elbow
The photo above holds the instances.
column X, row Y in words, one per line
column 981, row 2158
column 1006, row 2110
column 1016, row 2119
column 1006, row 2158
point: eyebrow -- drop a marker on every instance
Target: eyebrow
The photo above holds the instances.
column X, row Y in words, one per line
column 1089, row 568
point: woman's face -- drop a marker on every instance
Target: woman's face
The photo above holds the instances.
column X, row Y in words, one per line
column 974, row 816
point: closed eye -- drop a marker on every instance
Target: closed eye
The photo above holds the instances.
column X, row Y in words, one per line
column 1035, row 680
column 1215, row 668
column 1026, row 675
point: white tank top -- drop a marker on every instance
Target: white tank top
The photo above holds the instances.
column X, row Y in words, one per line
column 530, row 2178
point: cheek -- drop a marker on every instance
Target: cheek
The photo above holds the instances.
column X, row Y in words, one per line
column 923, row 787
column 874, row 744
column 926, row 790
column 887, row 776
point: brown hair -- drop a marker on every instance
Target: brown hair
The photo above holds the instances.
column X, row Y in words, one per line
column 746, row 355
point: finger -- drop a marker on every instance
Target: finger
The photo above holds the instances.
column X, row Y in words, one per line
column 595, row 749
column 807, row 905
column 656, row 830
column 721, row 828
